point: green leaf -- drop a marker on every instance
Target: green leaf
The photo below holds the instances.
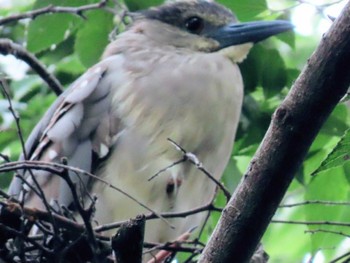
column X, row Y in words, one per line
column 264, row 67
column 339, row 156
column 135, row 5
column 251, row 68
column 70, row 64
column 24, row 87
column 92, row 38
column 246, row 10
column 285, row 242
column 330, row 185
column 232, row 175
column 338, row 122
column 274, row 75
column 48, row 30
column 288, row 38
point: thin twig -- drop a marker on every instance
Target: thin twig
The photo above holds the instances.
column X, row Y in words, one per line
column 167, row 168
column 5, row 88
column 4, row 194
column 339, row 233
column 41, row 194
column 166, row 255
column 341, row 258
column 85, row 214
column 6, row 229
column 206, row 207
column 168, row 246
column 207, row 216
column 16, row 209
column 193, row 159
column 34, row 213
column 315, row 202
column 331, row 223
column 5, row 157
column 54, row 9
column 52, row 167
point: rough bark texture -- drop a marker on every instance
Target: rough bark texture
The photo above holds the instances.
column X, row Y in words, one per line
column 294, row 125
column 127, row 244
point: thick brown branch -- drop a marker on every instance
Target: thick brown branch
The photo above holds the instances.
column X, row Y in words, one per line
column 294, row 125
column 127, row 244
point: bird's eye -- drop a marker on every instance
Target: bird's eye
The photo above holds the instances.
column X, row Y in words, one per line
column 194, row 24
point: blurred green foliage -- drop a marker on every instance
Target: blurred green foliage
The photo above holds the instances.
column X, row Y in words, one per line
column 72, row 44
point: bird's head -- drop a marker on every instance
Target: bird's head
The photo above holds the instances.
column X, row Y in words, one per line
column 204, row 26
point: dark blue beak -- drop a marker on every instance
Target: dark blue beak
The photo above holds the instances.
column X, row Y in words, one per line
column 240, row 33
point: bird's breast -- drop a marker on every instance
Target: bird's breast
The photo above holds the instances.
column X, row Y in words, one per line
column 194, row 101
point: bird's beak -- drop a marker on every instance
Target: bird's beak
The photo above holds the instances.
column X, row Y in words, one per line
column 240, row 33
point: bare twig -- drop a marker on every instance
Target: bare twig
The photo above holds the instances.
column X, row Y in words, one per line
column 56, row 168
column 85, row 214
column 315, row 202
column 37, row 214
column 328, row 232
column 5, row 157
column 192, row 158
column 5, row 229
column 54, row 9
column 341, row 258
column 207, row 207
column 7, row 47
column 167, row 168
column 164, row 255
column 4, row 194
column 4, row 89
column 40, row 192
column 308, row 223
column 168, row 246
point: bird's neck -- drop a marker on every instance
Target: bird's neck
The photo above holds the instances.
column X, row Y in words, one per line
column 153, row 35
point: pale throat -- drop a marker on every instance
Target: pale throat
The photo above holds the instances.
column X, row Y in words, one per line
column 236, row 53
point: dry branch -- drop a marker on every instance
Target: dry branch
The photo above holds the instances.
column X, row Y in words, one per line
column 53, row 9
column 8, row 47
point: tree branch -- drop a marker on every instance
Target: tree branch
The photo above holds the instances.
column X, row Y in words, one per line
column 127, row 244
column 294, row 125
column 8, row 47
column 53, row 9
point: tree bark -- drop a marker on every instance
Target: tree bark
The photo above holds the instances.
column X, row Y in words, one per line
column 294, row 125
column 127, row 244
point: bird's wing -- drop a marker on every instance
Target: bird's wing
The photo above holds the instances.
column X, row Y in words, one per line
column 78, row 126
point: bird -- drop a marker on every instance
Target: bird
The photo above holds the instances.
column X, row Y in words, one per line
column 170, row 78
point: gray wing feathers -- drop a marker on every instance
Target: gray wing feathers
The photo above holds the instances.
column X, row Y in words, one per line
column 32, row 142
column 78, row 123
